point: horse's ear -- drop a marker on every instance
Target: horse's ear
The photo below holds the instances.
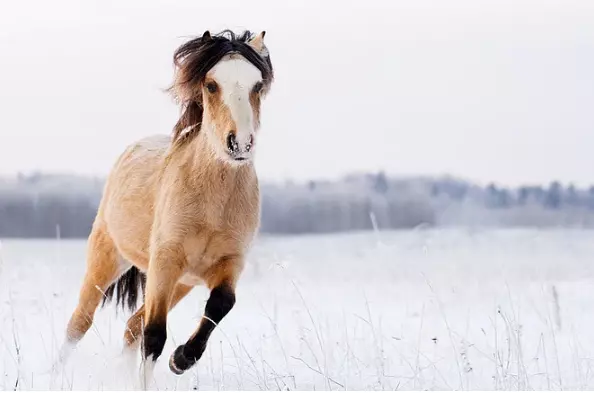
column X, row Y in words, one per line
column 206, row 36
column 258, row 42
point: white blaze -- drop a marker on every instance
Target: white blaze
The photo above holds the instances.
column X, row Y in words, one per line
column 236, row 78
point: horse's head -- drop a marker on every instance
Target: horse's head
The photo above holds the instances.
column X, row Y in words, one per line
column 220, row 82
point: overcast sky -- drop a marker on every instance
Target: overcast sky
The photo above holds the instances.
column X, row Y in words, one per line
column 498, row 90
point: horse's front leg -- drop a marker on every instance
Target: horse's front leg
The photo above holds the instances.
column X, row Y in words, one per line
column 221, row 280
column 165, row 269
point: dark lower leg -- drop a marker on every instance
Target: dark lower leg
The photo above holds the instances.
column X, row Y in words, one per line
column 135, row 323
column 220, row 302
column 162, row 277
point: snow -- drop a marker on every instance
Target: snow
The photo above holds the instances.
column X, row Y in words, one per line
column 426, row 309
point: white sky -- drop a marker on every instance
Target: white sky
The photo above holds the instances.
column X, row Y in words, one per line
column 487, row 90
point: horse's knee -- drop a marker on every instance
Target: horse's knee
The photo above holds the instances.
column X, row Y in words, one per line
column 155, row 335
column 220, row 302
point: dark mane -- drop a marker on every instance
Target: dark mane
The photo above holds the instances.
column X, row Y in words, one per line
column 193, row 60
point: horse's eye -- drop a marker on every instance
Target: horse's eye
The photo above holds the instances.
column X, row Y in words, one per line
column 258, row 87
column 211, row 87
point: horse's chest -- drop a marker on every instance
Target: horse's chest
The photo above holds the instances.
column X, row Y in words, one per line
column 225, row 228
column 215, row 217
column 228, row 212
column 207, row 248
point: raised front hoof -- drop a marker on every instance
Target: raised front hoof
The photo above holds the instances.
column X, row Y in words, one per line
column 179, row 363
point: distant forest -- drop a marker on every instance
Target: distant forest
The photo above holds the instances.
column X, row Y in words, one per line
column 47, row 206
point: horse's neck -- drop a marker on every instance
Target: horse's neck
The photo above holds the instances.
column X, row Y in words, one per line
column 216, row 192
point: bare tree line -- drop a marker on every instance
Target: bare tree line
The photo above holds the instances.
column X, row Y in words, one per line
column 42, row 206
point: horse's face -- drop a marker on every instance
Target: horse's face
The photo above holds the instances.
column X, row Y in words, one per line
column 231, row 93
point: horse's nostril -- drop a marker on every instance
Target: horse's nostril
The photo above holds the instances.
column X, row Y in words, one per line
column 232, row 143
column 248, row 147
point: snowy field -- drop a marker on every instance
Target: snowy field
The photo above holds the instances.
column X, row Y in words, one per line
column 434, row 309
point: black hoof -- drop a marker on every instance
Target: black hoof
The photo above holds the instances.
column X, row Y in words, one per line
column 178, row 362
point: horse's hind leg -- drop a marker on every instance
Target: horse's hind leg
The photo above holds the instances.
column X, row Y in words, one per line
column 103, row 269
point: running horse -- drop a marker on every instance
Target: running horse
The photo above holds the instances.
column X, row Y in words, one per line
column 182, row 211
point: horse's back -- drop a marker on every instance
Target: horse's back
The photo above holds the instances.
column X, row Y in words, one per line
column 127, row 204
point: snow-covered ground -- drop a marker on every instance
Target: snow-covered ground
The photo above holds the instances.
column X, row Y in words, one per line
column 435, row 309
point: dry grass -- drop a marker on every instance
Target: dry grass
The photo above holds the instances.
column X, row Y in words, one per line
column 295, row 331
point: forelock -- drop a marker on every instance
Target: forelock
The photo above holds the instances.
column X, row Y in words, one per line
column 197, row 57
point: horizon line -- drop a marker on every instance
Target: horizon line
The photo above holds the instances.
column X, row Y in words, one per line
column 338, row 178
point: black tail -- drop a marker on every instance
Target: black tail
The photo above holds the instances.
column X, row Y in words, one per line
column 126, row 288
